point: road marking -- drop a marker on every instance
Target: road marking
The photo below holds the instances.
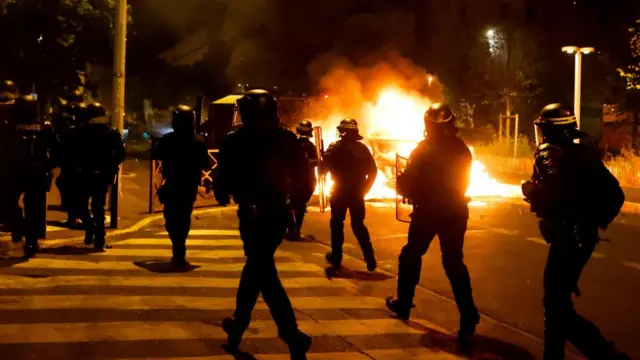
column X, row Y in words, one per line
column 537, row 240
column 166, row 241
column 393, row 354
column 158, row 282
column 209, row 232
column 205, row 254
column 502, row 231
column 51, row 302
column 181, row 330
column 42, row 264
column 631, row 264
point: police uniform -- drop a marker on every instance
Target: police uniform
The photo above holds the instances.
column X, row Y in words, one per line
column 573, row 194
column 353, row 171
column 435, row 181
column 99, row 152
column 260, row 166
column 8, row 94
column 183, row 155
column 68, row 180
column 31, row 169
column 305, row 132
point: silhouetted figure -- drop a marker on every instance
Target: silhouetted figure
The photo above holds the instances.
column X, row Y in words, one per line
column 353, row 171
column 8, row 95
column 260, row 166
column 184, row 155
column 435, row 181
column 68, row 181
column 305, row 133
column 31, row 167
column 99, row 152
column 573, row 194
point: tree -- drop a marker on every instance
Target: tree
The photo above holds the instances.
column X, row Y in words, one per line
column 52, row 41
column 631, row 76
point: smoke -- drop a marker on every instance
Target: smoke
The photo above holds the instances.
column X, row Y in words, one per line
column 388, row 95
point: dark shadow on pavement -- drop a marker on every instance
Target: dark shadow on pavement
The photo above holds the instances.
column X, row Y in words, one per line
column 70, row 250
column 482, row 347
column 344, row 273
column 165, row 267
column 9, row 262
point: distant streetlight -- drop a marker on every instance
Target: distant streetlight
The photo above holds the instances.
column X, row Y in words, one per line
column 578, row 51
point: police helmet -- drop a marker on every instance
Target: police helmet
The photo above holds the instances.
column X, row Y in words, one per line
column 25, row 109
column 557, row 123
column 183, row 119
column 305, row 128
column 349, row 128
column 259, row 108
column 439, row 119
column 8, row 91
column 95, row 110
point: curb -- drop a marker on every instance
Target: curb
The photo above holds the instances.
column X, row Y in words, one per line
column 133, row 228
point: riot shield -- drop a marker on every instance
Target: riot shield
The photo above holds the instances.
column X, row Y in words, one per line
column 319, row 142
column 403, row 205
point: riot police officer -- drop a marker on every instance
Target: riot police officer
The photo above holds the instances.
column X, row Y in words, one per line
column 305, row 133
column 8, row 95
column 354, row 171
column 31, row 169
column 67, row 124
column 435, row 181
column 260, row 166
column 184, row 155
column 573, row 194
column 99, row 152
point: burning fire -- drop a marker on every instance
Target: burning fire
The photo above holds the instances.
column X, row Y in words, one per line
column 394, row 125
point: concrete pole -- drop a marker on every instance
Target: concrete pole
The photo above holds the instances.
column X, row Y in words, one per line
column 117, row 115
column 578, row 87
column 515, row 136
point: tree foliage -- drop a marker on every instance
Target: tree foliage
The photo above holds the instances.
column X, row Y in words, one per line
column 52, row 41
column 632, row 73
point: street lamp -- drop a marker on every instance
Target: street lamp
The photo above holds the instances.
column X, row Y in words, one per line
column 578, row 51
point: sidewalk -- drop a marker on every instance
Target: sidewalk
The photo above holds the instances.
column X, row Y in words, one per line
column 128, row 302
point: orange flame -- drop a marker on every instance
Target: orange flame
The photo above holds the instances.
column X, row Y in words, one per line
column 396, row 118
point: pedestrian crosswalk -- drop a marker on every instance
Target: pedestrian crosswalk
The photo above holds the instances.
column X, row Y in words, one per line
column 130, row 303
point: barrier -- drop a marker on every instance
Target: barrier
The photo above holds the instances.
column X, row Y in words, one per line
column 205, row 190
column 627, row 175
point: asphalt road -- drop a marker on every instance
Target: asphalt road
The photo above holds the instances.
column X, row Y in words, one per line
column 506, row 255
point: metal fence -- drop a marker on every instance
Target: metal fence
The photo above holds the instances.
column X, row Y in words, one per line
column 205, row 190
column 628, row 175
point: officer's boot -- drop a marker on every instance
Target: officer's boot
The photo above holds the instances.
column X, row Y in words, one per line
column 31, row 247
column 299, row 344
column 179, row 252
column 554, row 337
column 587, row 338
column 337, row 241
column 401, row 308
column 469, row 316
column 234, row 330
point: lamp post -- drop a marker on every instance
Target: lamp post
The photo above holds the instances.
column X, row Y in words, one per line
column 117, row 115
column 578, row 51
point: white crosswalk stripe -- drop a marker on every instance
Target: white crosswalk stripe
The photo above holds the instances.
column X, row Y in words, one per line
column 55, row 306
